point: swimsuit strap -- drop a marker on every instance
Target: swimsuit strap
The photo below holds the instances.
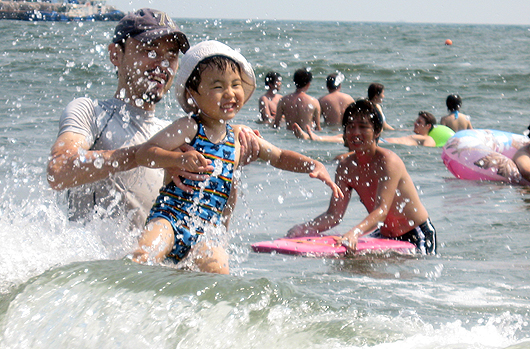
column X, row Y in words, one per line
column 456, row 114
column 229, row 136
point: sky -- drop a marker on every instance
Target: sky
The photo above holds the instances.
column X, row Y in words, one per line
column 515, row 12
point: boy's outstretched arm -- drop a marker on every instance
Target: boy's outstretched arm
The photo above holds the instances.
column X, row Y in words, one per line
column 330, row 218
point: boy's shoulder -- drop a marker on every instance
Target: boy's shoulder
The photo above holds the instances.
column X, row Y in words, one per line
column 388, row 157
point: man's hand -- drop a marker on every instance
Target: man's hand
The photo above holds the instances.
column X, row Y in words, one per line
column 201, row 167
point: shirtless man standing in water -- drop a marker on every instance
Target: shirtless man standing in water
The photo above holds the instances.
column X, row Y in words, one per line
column 335, row 102
column 299, row 107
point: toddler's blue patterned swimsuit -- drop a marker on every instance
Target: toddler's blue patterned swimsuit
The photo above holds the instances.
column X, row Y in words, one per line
column 190, row 213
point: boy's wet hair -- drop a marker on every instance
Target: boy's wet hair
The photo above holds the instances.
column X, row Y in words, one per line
column 429, row 118
column 302, row 77
column 223, row 63
column 453, row 102
column 363, row 107
column 374, row 90
column 272, row 77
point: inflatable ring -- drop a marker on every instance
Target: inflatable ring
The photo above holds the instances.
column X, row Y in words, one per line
column 441, row 134
column 483, row 155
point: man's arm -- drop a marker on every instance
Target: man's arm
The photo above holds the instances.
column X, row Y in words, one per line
column 72, row 163
column 415, row 139
column 316, row 115
column 330, row 218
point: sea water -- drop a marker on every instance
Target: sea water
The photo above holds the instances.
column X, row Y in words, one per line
column 64, row 285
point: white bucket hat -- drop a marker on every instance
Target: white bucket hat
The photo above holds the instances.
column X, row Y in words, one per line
column 204, row 50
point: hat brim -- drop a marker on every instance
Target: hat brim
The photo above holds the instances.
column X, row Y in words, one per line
column 204, row 50
column 156, row 34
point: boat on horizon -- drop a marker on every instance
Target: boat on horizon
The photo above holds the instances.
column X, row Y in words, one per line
column 55, row 11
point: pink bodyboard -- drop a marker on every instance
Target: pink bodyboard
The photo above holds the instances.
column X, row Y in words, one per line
column 326, row 246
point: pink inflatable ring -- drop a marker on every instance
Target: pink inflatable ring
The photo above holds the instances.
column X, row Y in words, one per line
column 484, row 155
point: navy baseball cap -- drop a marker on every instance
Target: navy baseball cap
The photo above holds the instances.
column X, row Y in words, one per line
column 148, row 25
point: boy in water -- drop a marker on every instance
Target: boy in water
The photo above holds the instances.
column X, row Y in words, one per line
column 213, row 83
column 383, row 184
column 269, row 101
column 455, row 120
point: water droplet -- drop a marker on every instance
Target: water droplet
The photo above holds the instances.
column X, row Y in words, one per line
column 98, row 163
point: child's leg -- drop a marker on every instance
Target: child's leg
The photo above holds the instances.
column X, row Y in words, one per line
column 210, row 259
column 155, row 243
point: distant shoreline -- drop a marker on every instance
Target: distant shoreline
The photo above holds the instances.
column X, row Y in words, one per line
column 46, row 11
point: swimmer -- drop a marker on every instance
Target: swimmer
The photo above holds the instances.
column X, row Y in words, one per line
column 422, row 126
column 455, row 120
column 299, row 107
column 376, row 93
column 335, row 102
column 383, row 184
column 269, row 101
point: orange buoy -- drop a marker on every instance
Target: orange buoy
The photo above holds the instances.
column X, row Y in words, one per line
column 448, row 42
